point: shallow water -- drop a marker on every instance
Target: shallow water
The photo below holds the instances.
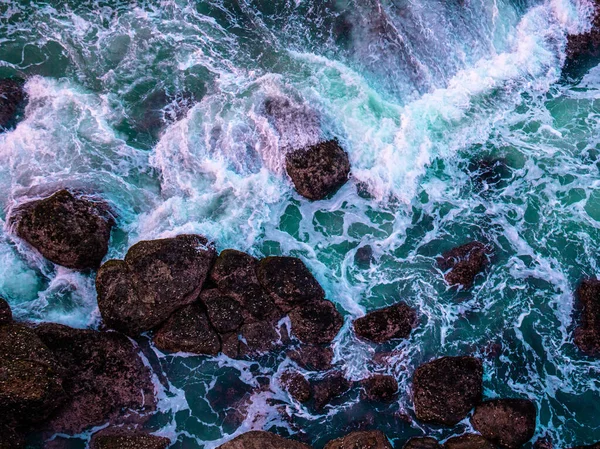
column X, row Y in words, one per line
column 180, row 114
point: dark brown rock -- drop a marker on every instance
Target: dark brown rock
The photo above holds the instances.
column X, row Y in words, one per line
column 381, row 325
column 316, row 322
column 5, row 313
column 105, row 378
column 258, row 338
column 10, row 437
column 117, row 438
column 225, row 313
column 329, row 388
column 463, row 263
column 591, row 446
column 234, row 271
column 318, row 171
column 188, row 330
column 373, row 439
column 422, row 443
column 12, row 97
column 380, row 388
column 585, row 45
column 363, row 256
column 262, row 440
column 509, row 423
column 296, row 385
column 156, row 278
column 67, row 230
column 587, row 334
column 543, row 443
column 446, row 389
column 314, row 358
column 468, row 441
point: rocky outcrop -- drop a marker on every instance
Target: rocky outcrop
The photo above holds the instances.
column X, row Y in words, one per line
column 316, row 322
column 12, row 97
column 72, row 231
column 380, row 388
column 105, row 379
column 328, row 389
column 422, row 443
column 312, row 357
column 156, row 278
column 584, row 49
column 262, row 440
column 117, row 438
column 318, row 171
column 446, row 389
column 373, row 439
column 544, row 442
column 587, row 334
column 509, row 423
column 381, row 325
column 462, row 264
column 296, row 385
column 5, row 313
column 468, row 441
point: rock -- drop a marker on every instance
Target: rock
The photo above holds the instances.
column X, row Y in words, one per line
column 489, row 172
column 381, row 325
column 105, row 378
column 329, row 388
column 234, row 271
column 318, row 171
column 422, row 443
column 31, row 381
column 296, row 385
column 509, row 423
column 156, row 278
column 363, row 256
column 5, row 313
column 587, row 334
column 258, row 338
column 288, row 281
column 591, row 446
column 584, row 46
column 543, row 443
column 297, row 125
column 373, row 439
column 462, row 264
column 117, row 438
column 316, row 322
column 313, row 358
column 10, row 437
column 262, row 440
column 468, row 441
column 224, row 312
column 67, row 230
column 188, row 330
column 12, row 96
column 380, row 388
column 446, row 389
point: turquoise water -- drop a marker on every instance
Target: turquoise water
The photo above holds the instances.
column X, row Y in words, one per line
column 158, row 106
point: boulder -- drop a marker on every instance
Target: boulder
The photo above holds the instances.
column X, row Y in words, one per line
column 316, row 322
column 422, row 443
column 318, row 171
column 363, row 256
column 156, row 278
column 313, row 358
column 544, row 442
column 584, row 46
column 72, row 231
column 251, row 340
column 587, row 334
column 188, row 330
column 446, row 389
column 468, row 441
column 12, row 97
column 105, row 379
column 10, row 437
column 118, row 438
column 296, row 385
column 380, row 388
column 381, row 325
column 374, row 439
column 463, row 263
column 224, row 312
column 5, row 313
column 234, row 271
column 262, row 440
column 329, row 388
column 508, row 423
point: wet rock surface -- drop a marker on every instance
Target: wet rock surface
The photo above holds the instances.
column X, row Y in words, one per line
column 587, row 334
column 468, row 441
column 463, row 263
column 12, row 96
column 363, row 256
column 296, row 385
column 380, row 388
column 117, row 438
column 382, row 325
column 328, row 389
column 312, row 357
column 318, row 171
column 509, row 423
column 316, row 322
column 374, row 439
column 262, row 440
column 446, row 389
column 5, row 313
column 72, row 231
column 583, row 50
column 422, row 443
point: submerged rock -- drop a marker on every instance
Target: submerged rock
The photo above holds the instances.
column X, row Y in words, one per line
column 318, row 171
column 380, row 387
column 67, row 230
column 12, row 96
column 489, row 172
column 509, row 423
column 5, row 313
column 446, row 389
column 296, row 385
column 422, row 443
column 591, row 446
column 105, row 379
column 544, row 442
column 381, row 325
column 156, row 278
column 312, row 357
column 363, row 256
column 316, row 322
column 587, row 334
column 262, row 440
column 463, row 263
column 468, row 441
column 373, row 439
column 117, row 438
column 329, row 388
column 584, row 46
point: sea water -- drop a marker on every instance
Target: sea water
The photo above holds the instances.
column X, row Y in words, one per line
column 180, row 113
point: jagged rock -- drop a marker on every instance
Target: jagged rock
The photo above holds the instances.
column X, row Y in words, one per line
column 380, row 387
column 234, row 271
column 5, row 313
column 509, row 423
column 188, row 330
column 587, row 334
column 296, row 385
column 156, row 278
column 381, row 325
column 105, row 378
column 288, row 281
column 12, row 96
column 584, row 46
column 329, row 388
column 468, row 441
column 224, row 312
column 10, row 437
column 543, row 443
column 318, row 171
column 117, row 438
column 258, row 338
column 363, row 256
column 463, row 263
column 446, row 389
column 262, row 440
column 67, row 230
column 314, row 358
column 373, row 439
column 316, row 322
column 422, row 443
